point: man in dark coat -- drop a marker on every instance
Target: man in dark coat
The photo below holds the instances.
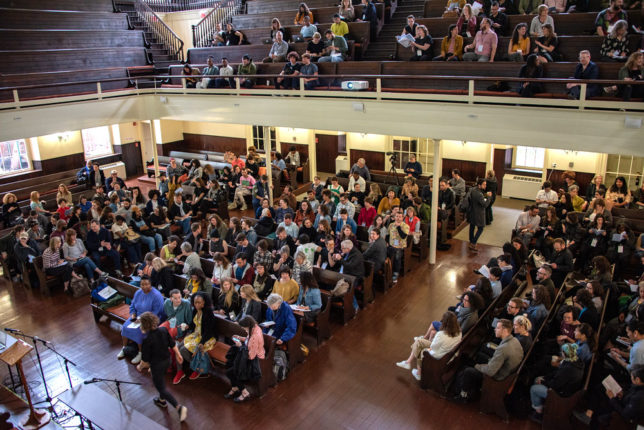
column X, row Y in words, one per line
column 377, row 250
column 479, row 200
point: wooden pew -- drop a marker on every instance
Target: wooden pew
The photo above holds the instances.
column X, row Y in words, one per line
column 19, row 39
column 119, row 313
column 225, row 330
column 493, row 392
column 69, row 5
column 437, row 374
column 62, row 20
column 321, row 328
column 320, row 16
column 327, row 279
column 557, row 410
column 260, row 6
column 46, row 281
column 358, row 31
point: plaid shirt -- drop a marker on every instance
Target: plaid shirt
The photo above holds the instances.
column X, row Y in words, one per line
column 264, row 258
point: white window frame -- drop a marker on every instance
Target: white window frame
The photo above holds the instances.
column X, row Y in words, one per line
column 26, row 154
column 424, row 153
column 258, row 142
column 530, row 158
column 87, row 137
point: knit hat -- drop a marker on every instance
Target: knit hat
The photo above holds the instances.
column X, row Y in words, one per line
column 569, row 351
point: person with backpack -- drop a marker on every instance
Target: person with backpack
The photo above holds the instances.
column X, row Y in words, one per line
column 474, row 205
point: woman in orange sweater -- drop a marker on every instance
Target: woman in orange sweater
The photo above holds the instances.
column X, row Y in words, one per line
column 388, row 202
column 303, row 11
column 253, row 345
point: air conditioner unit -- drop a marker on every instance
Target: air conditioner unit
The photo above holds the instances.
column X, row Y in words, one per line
column 119, row 166
column 355, row 85
column 521, row 187
column 341, row 163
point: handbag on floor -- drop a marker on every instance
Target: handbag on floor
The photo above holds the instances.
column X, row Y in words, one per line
column 200, row 363
column 79, row 287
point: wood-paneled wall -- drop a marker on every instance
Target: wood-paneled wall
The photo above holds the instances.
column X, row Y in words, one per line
column 301, row 148
column 203, row 142
column 583, row 179
column 470, row 170
column 375, row 160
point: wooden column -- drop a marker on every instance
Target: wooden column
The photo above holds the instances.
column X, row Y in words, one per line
column 155, row 153
column 267, row 156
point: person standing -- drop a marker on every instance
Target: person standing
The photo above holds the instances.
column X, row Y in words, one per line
column 479, row 200
column 492, row 186
column 156, row 356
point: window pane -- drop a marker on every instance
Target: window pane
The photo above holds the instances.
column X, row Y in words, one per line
column 96, row 142
column 530, row 157
column 13, row 156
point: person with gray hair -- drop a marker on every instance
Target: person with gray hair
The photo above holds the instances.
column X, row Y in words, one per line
column 362, row 169
column 579, row 204
column 352, row 263
column 278, row 51
column 301, row 265
column 281, row 314
column 192, row 258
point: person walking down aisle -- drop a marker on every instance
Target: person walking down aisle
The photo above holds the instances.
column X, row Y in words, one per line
column 476, row 202
column 156, row 357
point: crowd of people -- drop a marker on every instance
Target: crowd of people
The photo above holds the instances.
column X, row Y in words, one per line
column 533, row 43
column 577, row 252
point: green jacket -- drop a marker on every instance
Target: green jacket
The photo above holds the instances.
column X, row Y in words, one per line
column 424, row 212
column 251, row 69
column 340, row 43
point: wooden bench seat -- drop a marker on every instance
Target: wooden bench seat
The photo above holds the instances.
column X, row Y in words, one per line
column 119, row 313
column 65, row 59
column 261, row 6
column 566, row 24
column 320, row 16
column 71, row 5
column 327, row 279
column 62, row 20
column 19, row 39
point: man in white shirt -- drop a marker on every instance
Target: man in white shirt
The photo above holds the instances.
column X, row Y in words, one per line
column 527, row 224
column 356, row 178
column 226, row 71
column 546, row 196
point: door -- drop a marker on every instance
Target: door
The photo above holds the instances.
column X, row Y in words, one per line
column 499, row 168
column 132, row 159
column 326, row 151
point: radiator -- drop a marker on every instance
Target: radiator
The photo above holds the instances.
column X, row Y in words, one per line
column 521, row 187
column 119, row 166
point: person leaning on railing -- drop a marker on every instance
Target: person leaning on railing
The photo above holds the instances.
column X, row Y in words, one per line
column 586, row 70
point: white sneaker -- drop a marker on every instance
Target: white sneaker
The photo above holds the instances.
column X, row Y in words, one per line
column 183, row 413
column 404, row 365
column 121, row 354
column 419, row 338
column 416, row 374
column 137, row 359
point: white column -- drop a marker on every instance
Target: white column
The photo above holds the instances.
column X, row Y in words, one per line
column 437, row 171
column 155, row 153
column 267, row 156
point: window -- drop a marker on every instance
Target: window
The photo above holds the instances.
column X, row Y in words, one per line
column 258, row 138
column 529, row 158
column 14, row 156
column 96, row 142
column 423, row 148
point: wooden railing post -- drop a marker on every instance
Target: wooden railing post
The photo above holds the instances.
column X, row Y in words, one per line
column 378, row 89
column 582, row 96
column 470, row 91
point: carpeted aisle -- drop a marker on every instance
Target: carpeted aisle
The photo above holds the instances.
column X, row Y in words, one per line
column 506, row 211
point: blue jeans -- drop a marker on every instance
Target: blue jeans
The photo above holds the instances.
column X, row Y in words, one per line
column 185, row 224
column 153, row 242
column 538, row 394
column 474, row 237
column 110, row 253
column 330, row 59
column 87, row 265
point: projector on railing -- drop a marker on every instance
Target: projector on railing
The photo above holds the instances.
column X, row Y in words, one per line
column 355, row 85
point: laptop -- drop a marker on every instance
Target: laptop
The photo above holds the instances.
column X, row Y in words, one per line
column 3, row 340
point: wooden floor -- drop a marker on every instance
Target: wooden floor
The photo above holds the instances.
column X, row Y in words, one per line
column 349, row 382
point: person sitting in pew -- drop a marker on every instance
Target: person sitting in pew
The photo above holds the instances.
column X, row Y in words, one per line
column 499, row 18
column 335, row 50
column 311, row 70
column 609, row 17
column 537, row 312
column 247, row 67
column 161, row 276
column 227, row 302
column 367, row 214
column 315, row 47
column 226, row 72
column 542, row 18
column 278, row 51
column 345, row 204
column 197, row 281
column 421, row 45
column 188, row 259
column 370, row 15
column 561, row 261
column 201, row 335
column 546, row 45
column 633, row 71
column 303, row 11
column 466, row 23
column 484, row 46
column 280, row 313
column 585, row 70
column 242, row 269
column 254, row 341
column 286, row 287
column 519, row 46
column 146, row 299
column 251, row 304
column 389, row 202
column 283, row 239
column 346, row 11
column 628, row 403
column 99, row 243
column 56, row 266
column 190, row 72
column 309, row 297
column 210, row 70
column 291, row 69
column 263, row 281
column 446, row 339
column 565, row 380
column 615, row 45
column 178, row 313
column 506, row 359
column 522, row 328
column 339, row 27
column 377, row 250
column 308, row 29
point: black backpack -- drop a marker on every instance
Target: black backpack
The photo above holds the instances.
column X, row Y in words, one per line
column 280, row 365
column 464, row 204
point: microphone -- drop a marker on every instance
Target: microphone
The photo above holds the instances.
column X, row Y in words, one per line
column 90, row 381
column 11, row 330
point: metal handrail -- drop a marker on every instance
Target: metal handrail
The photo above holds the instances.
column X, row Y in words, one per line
column 203, row 31
column 179, row 5
column 152, row 21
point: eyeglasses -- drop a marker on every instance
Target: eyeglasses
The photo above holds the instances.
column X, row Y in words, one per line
column 511, row 306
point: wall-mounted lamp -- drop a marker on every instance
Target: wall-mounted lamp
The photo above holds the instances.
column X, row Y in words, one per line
column 63, row 137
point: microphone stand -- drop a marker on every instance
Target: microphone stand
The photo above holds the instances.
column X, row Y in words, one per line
column 116, row 381
column 35, row 340
column 66, row 360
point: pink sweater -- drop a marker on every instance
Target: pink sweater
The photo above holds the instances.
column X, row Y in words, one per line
column 256, row 343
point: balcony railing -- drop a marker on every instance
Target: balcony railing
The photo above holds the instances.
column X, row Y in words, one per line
column 179, row 5
column 157, row 26
column 203, row 32
column 10, row 97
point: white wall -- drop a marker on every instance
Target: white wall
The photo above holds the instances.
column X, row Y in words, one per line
column 579, row 161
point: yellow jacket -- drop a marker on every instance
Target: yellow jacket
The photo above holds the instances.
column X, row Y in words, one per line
column 458, row 46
